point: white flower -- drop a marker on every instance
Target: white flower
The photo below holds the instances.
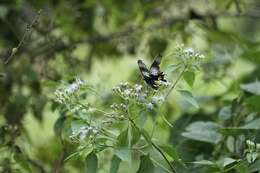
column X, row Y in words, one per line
column 138, row 88
column 71, row 88
column 95, row 131
column 149, row 106
column 80, row 81
column 167, row 83
column 157, row 99
column 127, row 92
column 201, row 56
column 189, row 50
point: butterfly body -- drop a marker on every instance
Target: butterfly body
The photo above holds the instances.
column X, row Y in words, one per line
column 152, row 76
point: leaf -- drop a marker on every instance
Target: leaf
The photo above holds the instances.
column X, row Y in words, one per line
column 253, row 87
column 205, row 163
column 242, row 167
column 189, row 97
column 171, row 68
column 254, row 125
column 146, row 165
column 21, row 159
column 124, row 154
column 3, row 11
column 225, row 113
column 115, row 163
column 91, row 163
column 189, row 77
column 76, row 127
column 135, row 135
column 122, row 139
column 255, row 166
column 203, row 131
column 146, row 136
column 253, row 103
column 225, row 162
column 170, row 151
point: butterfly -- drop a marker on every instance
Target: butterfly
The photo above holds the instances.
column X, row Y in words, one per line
column 153, row 76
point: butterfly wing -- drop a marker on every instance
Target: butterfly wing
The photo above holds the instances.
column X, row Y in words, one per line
column 150, row 80
column 155, row 67
column 143, row 69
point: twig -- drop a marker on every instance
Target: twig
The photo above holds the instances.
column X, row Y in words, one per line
column 25, row 35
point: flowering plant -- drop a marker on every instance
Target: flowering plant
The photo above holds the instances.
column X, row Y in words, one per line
column 121, row 127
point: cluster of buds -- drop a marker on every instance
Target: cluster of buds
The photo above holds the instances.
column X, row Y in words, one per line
column 252, row 151
column 115, row 117
column 188, row 56
column 84, row 132
column 119, row 107
column 62, row 95
column 157, row 99
column 252, row 145
column 75, row 86
column 126, row 91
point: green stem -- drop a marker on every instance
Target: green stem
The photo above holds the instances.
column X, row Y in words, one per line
column 156, row 147
column 175, row 83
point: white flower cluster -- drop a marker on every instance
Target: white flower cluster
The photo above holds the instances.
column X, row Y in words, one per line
column 253, row 151
column 126, row 91
column 83, row 132
column 157, row 99
column 64, row 94
column 191, row 53
column 117, row 107
column 188, row 56
column 74, row 86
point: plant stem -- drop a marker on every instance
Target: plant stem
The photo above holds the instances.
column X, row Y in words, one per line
column 175, row 83
column 156, row 147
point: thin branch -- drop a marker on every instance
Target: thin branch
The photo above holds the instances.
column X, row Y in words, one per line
column 25, row 35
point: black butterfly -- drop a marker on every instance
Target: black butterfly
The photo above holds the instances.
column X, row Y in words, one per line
column 153, row 76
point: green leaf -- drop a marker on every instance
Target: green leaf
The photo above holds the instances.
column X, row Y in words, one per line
column 115, row 163
column 205, row 163
column 3, row 11
column 21, row 159
column 124, row 154
column 135, row 135
column 189, row 97
column 225, row 113
column 253, row 103
column 146, row 136
column 146, row 165
column 253, row 87
column 203, row 131
column 189, row 77
column 122, row 139
column 91, row 163
column 255, row 125
column 225, row 162
column 255, row 166
column 171, row 68
column 242, row 167
column 170, row 151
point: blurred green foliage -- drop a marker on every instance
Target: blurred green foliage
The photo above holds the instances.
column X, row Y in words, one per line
column 101, row 41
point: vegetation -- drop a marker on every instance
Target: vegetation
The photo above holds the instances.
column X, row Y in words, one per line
column 73, row 99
